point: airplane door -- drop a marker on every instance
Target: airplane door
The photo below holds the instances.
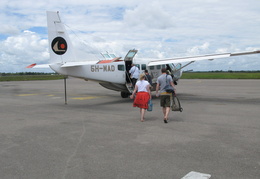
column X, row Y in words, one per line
column 175, row 71
column 130, row 55
column 128, row 62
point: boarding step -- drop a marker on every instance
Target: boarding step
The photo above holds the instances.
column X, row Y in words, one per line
column 130, row 87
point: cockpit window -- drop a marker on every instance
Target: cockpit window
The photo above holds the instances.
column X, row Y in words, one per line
column 106, row 56
column 112, row 56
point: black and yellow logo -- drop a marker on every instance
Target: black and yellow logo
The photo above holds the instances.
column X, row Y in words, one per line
column 59, row 45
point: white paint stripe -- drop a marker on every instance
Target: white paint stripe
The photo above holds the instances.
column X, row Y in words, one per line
column 196, row 175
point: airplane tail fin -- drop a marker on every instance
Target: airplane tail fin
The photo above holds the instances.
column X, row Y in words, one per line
column 60, row 46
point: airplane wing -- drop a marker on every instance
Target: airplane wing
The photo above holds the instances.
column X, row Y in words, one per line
column 198, row 58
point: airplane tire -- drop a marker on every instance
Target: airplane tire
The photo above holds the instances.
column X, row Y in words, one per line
column 124, row 94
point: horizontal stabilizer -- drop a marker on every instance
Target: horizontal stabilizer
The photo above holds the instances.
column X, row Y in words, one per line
column 31, row 66
column 67, row 64
column 38, row 66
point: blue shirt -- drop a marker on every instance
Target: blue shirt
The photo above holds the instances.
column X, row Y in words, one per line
column 134, row 72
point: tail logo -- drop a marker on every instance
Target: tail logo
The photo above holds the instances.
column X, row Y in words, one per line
column 59, row 45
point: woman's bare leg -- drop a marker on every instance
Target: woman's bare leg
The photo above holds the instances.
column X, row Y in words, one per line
column 142, row 112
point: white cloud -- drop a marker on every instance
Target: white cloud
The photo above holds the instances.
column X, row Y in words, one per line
column 8, row 30
column 149, row 16
column 198, row 49
column 22, row 50
column 161, row 29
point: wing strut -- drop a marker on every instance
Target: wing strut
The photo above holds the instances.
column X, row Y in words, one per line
column 185, row 65
column 65, row 89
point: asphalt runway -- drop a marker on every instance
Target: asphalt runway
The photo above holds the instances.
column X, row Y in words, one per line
column 99, row 134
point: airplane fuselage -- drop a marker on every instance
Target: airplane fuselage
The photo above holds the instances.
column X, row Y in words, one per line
column 108, row 72
column 111, row 75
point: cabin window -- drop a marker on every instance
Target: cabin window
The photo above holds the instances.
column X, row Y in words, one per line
column 151, row 67
column 143, row 66
column 121, row 67
column 158, row 67
column 163, row 66
column 138, row 66
column 106, row 56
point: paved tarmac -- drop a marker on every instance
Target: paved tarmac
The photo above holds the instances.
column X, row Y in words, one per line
column 99, row 134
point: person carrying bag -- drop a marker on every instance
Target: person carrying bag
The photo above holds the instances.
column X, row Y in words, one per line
column 165, row 96
column 143, row 95
column 168, row 88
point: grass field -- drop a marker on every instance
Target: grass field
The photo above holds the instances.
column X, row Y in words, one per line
column 221, row 75
column 31, row 77
column 190, row 75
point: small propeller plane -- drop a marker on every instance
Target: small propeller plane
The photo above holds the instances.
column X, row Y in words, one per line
column 110, row 72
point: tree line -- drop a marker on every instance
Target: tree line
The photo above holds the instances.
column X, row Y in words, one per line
column 26, row 73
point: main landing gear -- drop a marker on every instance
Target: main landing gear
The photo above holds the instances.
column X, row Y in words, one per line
column 125, row 94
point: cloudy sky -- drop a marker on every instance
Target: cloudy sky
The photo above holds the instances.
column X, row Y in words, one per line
column 158, row 29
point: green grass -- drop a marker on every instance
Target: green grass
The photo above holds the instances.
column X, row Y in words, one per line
column 220, row 75
column 30, row 77
column 190, row 75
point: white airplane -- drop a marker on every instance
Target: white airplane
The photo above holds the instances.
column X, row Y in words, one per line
column 111, row 72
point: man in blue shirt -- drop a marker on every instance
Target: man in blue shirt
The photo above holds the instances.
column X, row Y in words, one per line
column 134, row 71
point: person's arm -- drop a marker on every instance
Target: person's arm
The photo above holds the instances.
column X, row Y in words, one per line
column 133, row 94
column 148, row 89
column 130, row 71
column 157, row 89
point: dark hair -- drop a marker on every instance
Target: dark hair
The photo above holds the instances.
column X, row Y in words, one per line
column 164, row 70
column 146, row 71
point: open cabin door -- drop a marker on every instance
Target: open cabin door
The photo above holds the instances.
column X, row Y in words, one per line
column 175, row 71
column 130, row 55
column 129, row 58
column 128, row 62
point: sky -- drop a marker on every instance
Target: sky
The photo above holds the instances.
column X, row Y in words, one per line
column 157, row 29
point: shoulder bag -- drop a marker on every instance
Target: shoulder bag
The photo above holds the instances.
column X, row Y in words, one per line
column 168, row 88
